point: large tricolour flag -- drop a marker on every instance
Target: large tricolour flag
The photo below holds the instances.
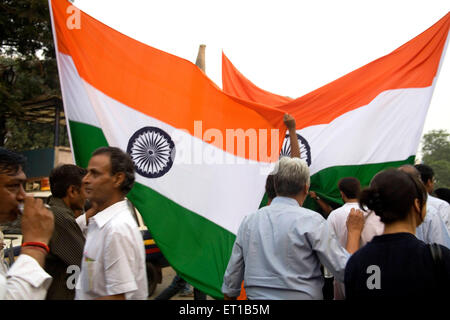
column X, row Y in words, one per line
column 365, row 121
column 193, row 184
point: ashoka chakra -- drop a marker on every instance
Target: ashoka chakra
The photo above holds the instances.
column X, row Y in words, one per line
column 152, row 151
column 305, row 150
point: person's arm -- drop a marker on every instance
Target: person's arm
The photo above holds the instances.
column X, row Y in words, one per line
column 26, row 280
column 324, row 242
column 325, row 206
column 355, row 225
column 234, row 274
column 289, row 121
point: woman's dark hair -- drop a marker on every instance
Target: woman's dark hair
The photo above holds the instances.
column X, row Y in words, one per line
column 391, row 195
column 120, row 162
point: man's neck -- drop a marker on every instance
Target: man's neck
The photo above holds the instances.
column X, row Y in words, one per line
column 350, row 200
column 300, row 198
column 111, row 201
column 66, row 202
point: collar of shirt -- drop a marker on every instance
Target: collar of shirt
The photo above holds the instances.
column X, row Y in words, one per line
column 356, row 206
column 102, row 217
column 285, row 200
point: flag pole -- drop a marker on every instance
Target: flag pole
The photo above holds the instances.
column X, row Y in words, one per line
column 200, row 62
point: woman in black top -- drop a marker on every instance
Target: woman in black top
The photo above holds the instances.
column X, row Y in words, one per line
column 396, row 263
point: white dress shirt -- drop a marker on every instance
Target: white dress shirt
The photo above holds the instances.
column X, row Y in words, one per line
column 338, row 222
column 278, row 252
column 442, row 208
column 25, row 280
column 114, row 256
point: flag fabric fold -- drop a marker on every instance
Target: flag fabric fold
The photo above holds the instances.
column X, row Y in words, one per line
column 236, row 84
column 368, row 120
column 195, row 177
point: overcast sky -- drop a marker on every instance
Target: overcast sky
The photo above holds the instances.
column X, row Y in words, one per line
column 286, row 47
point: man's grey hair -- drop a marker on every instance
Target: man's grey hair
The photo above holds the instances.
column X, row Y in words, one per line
column 290, row 176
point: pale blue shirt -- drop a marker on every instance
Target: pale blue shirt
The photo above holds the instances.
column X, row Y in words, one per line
column 278, row 252
column 433, row 229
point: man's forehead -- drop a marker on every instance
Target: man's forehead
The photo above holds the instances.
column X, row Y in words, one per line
column 18, row 175
column 100, row 161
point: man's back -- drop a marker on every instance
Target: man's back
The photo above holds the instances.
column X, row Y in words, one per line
column 442, row 208
column 337, row 221
column 338, row 218
column 282, row 244
column 433, row 228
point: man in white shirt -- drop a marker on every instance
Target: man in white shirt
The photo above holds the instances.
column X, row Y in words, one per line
column 26, row 279
column 350, row 188
column 433, row 228
column 441, row 206
column 113, row 264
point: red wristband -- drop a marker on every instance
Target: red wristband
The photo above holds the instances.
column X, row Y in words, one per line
column 36, row 244
column 36, row 248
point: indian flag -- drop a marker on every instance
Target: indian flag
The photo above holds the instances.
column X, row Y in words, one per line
column 201, row 156
column 365, row 121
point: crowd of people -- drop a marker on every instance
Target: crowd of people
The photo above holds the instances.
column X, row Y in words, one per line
column 389, row 239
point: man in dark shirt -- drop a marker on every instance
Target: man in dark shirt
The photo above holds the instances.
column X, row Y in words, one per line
column 67, row 242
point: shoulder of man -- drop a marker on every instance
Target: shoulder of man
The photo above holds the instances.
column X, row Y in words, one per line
column 310, row 214
column 57, row 206
column 437, row 203
column 342, row 210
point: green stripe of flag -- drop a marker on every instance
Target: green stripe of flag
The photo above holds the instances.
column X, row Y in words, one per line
column 200, row 239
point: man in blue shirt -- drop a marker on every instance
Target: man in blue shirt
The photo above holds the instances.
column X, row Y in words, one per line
column 279, row 248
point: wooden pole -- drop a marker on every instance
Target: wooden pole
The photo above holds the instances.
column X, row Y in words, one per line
column 200, row 62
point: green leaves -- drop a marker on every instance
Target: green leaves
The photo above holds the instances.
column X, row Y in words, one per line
column 26, row 45
column 436, row 154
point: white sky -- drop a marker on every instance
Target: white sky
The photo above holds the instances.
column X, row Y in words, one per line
column 286, row 47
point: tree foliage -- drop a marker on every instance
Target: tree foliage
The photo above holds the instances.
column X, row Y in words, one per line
column 27, row 49
column 436, row 154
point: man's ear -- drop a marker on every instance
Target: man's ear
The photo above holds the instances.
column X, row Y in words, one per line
column 119, row 179
column 71, row 191
column 306, row 188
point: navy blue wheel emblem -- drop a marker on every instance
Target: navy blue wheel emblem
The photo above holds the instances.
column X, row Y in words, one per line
column 152, row 151
column 305, row 149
